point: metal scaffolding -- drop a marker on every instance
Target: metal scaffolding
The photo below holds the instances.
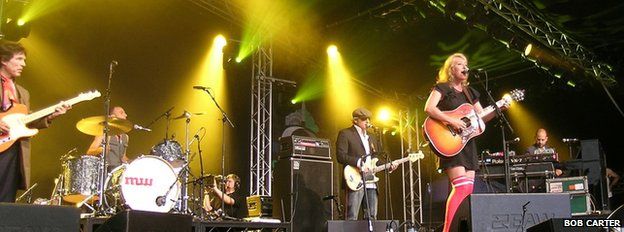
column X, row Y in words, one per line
column 412, row 188
column 261, row 117
column 525, row 19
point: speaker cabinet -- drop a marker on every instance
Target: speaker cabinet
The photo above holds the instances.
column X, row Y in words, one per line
column 299, row 188
column 504, row 212
column 133, row 220
column 21, row 217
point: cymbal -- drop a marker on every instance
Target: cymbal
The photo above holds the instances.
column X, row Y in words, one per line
column 187, row 114
column 95, row 125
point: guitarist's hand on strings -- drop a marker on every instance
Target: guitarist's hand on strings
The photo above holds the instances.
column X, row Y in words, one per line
column 4, row 127
column 60, row 110
column 457, row 124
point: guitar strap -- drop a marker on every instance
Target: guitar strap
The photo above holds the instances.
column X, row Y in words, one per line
column 468, row 95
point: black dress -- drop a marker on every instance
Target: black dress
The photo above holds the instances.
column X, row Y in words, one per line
column 450, row 100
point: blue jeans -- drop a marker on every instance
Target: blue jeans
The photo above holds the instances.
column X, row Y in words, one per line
column 355, row 199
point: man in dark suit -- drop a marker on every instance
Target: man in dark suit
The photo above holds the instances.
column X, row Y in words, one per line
column 15, row 160
column 354, row 147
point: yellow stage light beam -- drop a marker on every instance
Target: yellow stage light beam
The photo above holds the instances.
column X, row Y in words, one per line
column 343, row 95
column 209, row 73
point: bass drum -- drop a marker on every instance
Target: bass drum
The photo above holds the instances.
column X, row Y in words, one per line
column 139, row 184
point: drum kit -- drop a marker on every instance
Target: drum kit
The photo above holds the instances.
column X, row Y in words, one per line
column 153, row 182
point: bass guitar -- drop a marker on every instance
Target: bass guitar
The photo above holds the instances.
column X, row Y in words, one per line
column 354, row 178
column 17, row 118
column 447, row 141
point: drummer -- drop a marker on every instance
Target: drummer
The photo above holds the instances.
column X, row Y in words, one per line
column 118, row 144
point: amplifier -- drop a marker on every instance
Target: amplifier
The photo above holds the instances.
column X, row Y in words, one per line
column 304, row 147
column 259, row 206
column 580, row 199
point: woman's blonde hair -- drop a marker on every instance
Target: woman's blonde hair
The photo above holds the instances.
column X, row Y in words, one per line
column 445, row 75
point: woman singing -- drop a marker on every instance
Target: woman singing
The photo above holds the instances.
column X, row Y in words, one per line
column 451, row 91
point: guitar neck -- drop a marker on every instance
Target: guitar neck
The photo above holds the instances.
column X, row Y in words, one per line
column 388, row 165
column 490, row 109
column 49, row 110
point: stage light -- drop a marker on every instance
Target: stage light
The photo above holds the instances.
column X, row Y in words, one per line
column 238, row 59
column 21, row 22
column 384, row 115
column 14, row 30
column 220, row 41
column 293, row 101
column 571, row 84
column 332, row 51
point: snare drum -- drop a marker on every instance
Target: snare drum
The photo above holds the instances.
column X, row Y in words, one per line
column 171, row 151
column 139, row 184
column 81, row 177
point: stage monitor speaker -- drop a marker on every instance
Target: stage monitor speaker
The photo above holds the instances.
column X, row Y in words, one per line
column 299, row 188
column 503, row 212
column 362, row 225
column 133, row 220
column 21, row 217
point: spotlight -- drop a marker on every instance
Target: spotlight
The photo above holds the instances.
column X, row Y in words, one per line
column 14, row 30
column 332, row 51
column 220, row 41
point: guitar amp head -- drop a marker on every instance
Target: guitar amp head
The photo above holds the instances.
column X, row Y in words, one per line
column 304, row 147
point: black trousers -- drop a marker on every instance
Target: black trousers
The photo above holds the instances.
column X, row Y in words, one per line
column 9, row 173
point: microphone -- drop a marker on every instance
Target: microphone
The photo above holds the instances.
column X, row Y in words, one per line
column 160, row 201
column 329, row 197
column 467, row 70
column 114, row 63
column 138, row 127
column 513, row 140
column 525, row 205
column 204, row 88
column 570, row 140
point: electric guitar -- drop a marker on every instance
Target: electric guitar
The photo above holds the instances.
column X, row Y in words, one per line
column 17, row 118
column 447, row 141
column 354, row 178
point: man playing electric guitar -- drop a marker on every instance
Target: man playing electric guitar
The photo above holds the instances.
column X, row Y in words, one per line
column 15, row 161
column 353, row 147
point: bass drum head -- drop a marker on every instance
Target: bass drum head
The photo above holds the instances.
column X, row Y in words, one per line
column 146, row 179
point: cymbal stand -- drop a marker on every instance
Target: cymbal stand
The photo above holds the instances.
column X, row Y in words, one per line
column 185, row 176
column 100, row 208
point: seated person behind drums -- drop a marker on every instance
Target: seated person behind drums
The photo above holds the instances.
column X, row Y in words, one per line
column 117, row 143
column 233, row 200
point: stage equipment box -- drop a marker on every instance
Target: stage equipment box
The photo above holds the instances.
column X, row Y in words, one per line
column 259, row 206
column 580, row 199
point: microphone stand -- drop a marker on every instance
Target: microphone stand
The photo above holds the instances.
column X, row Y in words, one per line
column 503, row 124
column 166, row 114
column 368, row 217
column 103, row 166
column 224, row 119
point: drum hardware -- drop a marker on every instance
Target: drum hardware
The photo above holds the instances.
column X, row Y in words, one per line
column 95, row 125
column 27, row 193
column 187, row 114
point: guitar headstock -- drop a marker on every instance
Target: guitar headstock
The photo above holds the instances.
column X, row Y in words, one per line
column 90, row 95
column 413, row 156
